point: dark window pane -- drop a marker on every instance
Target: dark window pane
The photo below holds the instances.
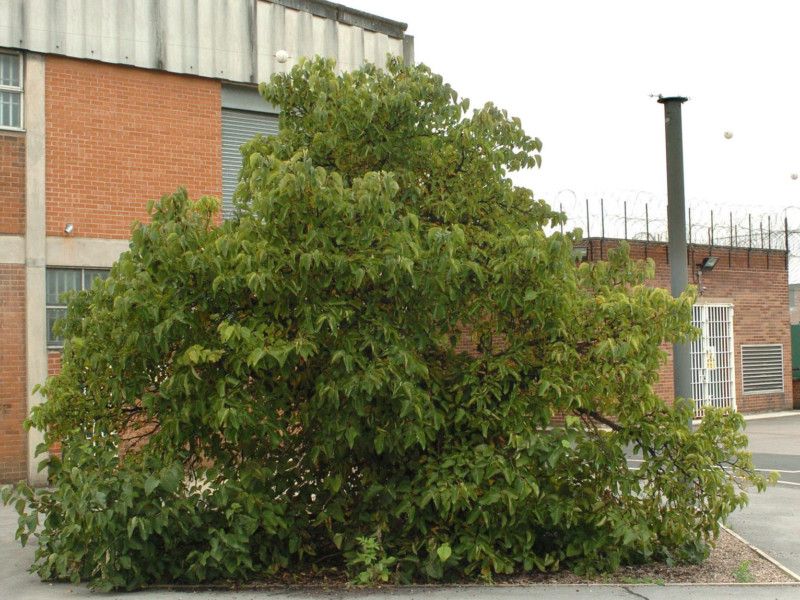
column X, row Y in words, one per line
column 53, row 314
column 60, row 281
column 89, row 275
column 9, row 70
column 10, row 110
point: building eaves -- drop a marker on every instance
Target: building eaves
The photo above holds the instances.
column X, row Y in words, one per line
column 347, row 16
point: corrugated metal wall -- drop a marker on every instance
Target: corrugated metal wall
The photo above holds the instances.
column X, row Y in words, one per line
column 234, row 40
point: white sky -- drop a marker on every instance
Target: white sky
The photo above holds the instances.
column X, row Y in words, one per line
column 579, row 74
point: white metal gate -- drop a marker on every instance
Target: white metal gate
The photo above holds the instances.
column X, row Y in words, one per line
column 713, row 375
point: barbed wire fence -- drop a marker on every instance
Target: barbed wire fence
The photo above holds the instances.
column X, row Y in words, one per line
column 643, row 217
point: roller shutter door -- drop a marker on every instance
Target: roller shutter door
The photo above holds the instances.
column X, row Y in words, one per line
column 238, row 127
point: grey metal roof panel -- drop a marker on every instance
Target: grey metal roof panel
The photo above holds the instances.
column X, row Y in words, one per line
column 234, row 40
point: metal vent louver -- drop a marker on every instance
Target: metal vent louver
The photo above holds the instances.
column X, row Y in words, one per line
column 762, row 368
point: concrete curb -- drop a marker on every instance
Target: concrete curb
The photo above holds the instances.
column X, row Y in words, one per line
column 763, row 554
column 761, row 416
column 772, row 415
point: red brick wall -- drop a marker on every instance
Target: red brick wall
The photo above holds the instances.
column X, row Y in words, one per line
column 12, row 182
column 13, row 400
column 53, row 362
column 756, row 283
column 119, row 136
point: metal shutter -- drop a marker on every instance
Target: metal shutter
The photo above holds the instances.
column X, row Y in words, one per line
column 762, row 368
column 238, row 127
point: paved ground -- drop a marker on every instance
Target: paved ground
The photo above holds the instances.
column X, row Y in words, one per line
column 771, row 522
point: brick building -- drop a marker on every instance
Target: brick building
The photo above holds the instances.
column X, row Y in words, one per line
column 743, row 356
column 104, row 106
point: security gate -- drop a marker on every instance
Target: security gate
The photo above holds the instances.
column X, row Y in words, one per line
column 713, row 376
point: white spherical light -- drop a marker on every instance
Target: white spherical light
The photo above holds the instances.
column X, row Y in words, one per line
column 728, row 135
column 281, row 56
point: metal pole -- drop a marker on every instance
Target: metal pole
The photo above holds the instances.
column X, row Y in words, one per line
column 676, row 228
column 786, row 239
column 561, row 210
column 625, row 217
column 769, row 239
column 711, row 236
column 602, row 226
column 730, row 237
column 646, row 228
column 588, row 232
column 689, row 248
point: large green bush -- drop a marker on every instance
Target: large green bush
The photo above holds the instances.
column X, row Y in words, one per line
column 286, row 393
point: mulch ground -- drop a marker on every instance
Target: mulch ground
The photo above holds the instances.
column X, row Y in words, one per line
column 731, row 561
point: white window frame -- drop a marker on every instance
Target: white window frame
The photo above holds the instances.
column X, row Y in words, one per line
column 59, row 344
column 17, row 89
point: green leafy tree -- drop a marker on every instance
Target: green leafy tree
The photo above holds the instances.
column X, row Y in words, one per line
column 289, row 391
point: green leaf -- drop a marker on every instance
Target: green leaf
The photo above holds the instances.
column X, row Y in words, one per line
column 351, row 434
column 444, row 552
column 150, row 484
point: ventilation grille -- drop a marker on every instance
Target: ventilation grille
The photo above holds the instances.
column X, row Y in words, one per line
column 762, row 368
column 238, row 127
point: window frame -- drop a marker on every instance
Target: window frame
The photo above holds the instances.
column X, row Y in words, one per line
column 16, row 89
column 59, row 344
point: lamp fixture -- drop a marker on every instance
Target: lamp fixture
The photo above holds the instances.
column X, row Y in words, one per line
column 708, row 264
column 68, row 228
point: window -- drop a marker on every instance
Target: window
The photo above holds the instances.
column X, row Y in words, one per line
column 58, row 282
column 10, row 90
column 762, row 368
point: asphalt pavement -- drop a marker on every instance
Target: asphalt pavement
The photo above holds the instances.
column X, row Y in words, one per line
column 771, row 521
column 775, row 444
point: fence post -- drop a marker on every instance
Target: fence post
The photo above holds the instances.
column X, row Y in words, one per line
column 749, row 237
column 588, row 230
column 625, row 217
column 786, row 239
column 730, row 237
column 590, row 245
column 602, row 226
column 769, row 238
column 711, row 235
